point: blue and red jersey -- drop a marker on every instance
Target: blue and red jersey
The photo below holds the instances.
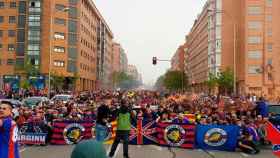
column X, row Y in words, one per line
column 8, row 139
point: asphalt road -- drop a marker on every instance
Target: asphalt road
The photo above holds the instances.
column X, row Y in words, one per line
column 137, row 151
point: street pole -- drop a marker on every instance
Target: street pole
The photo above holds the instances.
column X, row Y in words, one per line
column 50, row 51
column 234, row 59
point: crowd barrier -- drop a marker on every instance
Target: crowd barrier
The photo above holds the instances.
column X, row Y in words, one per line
column 143, row 132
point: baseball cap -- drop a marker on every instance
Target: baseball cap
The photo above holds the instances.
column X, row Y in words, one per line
column 89, row 149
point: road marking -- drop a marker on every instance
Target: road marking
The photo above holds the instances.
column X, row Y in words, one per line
column 117, row 150
column 244, row 155
column 22, row 150
column 157, row 147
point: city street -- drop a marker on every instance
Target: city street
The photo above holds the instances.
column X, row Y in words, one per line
column 147, row 151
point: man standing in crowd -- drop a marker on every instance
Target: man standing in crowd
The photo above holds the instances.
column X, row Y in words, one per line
column 262, row 108
column 123, row 129
column 8, row 132
column 103, row 113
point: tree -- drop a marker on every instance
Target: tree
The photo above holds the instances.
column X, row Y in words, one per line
column 211, row 82
column 226, row 81
column 57, row 81
column 175, row 80
column 159, row 83
column 30, row 69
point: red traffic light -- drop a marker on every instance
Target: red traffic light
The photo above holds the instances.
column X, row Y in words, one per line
column 154, row 60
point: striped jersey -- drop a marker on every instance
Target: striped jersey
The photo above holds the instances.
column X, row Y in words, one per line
column 8, row 139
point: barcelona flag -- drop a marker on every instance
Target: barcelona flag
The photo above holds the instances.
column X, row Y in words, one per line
column 70, row 131
column 176, row 135
column 143, row 132
column 273, row 135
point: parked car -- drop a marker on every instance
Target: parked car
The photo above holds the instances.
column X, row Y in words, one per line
column 34, row 101
column 13, row 102
column 61, row 97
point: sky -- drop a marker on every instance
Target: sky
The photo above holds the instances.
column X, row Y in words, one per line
column 147, row 28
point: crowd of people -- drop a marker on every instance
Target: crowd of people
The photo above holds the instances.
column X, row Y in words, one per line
column 246, row 112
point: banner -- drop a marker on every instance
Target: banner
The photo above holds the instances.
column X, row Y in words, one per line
column 217, row 137
column 273, row 135
column 32, row 138
column 143, row 132
column 33, row 133
column 176, row 135
column 71, row 132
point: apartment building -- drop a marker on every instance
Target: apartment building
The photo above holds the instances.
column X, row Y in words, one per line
column 66, row 38
column 242, row 35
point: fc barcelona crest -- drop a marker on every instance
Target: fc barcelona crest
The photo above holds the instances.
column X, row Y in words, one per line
column 73, row 133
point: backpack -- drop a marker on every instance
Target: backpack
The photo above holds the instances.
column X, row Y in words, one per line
column 123, row 122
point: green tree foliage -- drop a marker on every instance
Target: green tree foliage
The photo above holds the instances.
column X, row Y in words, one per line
column 226, row 81
column 159, row 83
column 57, row 81
column 211, row 82
column 123, row 80
column 30, row 69
column 175, row 80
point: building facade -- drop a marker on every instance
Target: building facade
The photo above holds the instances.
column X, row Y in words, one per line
column 133, row 72
column 120, row 62
column 242, row 35
column 178, row 59
column 66, row 38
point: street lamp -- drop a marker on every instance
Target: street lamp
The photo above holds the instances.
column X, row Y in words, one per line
column 50, row 51
column 234, row 43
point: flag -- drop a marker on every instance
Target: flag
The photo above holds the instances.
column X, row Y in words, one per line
column 176, row 135
column 217, row 137
column 273, row 135
column 70, row 131
column 143, row 132
column 112, row 134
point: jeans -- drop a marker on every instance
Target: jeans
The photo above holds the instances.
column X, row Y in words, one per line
column 120, row 135
column 101, row 132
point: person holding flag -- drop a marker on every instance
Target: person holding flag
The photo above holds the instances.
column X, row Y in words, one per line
column 8, row 132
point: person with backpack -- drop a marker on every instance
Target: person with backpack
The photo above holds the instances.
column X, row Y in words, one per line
column 123, row 129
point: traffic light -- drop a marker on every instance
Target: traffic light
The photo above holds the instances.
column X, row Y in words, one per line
column 154, row 60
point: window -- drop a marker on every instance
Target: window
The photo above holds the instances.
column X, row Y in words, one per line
column 73, row 12
column 254, row 40
column 1, row 33
column 269, row 61
column 12, row 19
column 72, row 53
column 1, row 46
column 59, row 35
column 254, row 25
column 10, row 62
column 269, row 3
column 58, row 63
column 269, row 32
column 60, row 21
column 19, row 63
column 71, row 66
column 21, row 21
column 269, row 18
column 59, row 49
column 13, row 4
column 59, row 7
column 2, row 4
column 11, row 33
column 269, row 47
column 72, row 39
column 1, row 19
column 22, row 7
column 72, row 26
column 254, row 54
column 20, row 49
column 254, row 69
column 254, row 10
column 73, row 2
column 11, row 47
column 21, row 35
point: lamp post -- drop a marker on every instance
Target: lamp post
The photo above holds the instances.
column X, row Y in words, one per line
column 50, row 47
column 234, row 44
